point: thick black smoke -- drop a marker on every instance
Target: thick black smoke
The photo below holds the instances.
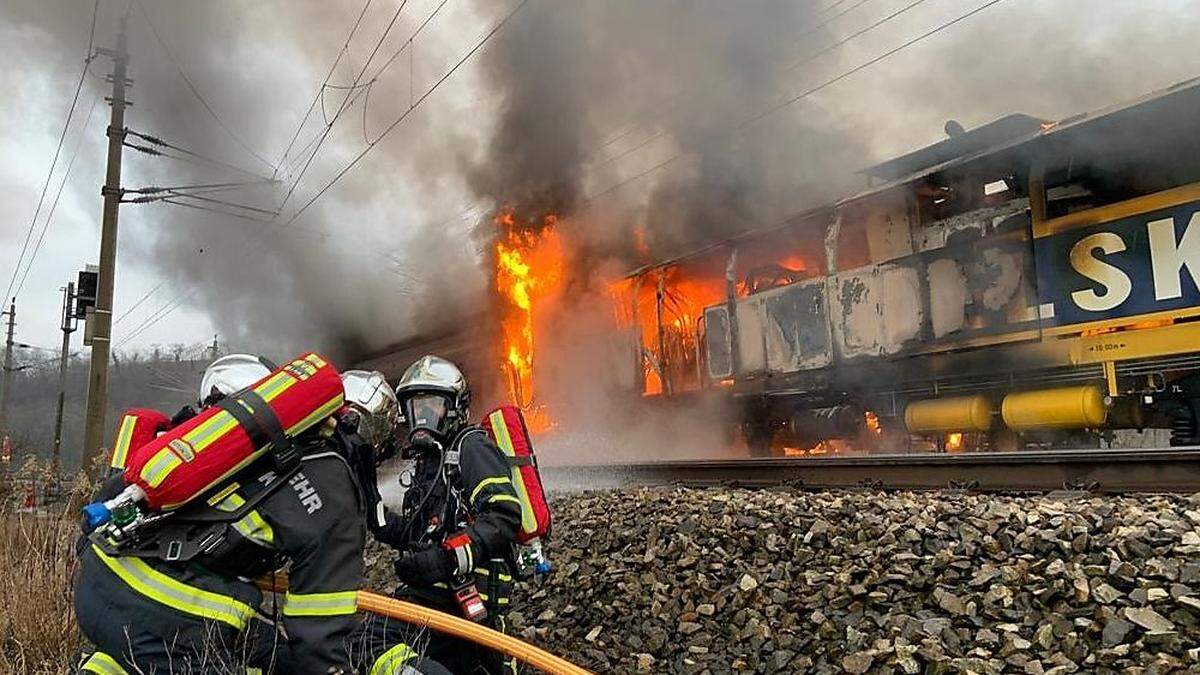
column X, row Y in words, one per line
column 586, row 86
column 564, row 105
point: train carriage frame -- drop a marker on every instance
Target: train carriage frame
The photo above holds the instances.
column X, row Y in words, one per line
column 1026, row 282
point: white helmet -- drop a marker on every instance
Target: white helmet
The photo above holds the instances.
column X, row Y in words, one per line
column 230, row 374
column 433, row 396
column 368, row 393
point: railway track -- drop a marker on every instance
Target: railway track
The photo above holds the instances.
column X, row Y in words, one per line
column 1109, row 471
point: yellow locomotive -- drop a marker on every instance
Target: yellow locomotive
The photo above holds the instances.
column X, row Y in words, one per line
column 1025, row 284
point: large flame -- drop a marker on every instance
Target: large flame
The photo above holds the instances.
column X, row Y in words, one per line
column 529, row 263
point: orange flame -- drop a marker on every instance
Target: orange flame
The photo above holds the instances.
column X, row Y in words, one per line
column 873, row 422
column 529, row 263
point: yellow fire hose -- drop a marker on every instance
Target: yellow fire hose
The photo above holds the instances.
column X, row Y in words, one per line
column 424, row 617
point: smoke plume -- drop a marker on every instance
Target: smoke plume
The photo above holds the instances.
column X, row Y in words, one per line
column 569, row 109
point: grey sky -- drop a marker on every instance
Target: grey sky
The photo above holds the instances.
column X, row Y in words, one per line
column 1045, row 57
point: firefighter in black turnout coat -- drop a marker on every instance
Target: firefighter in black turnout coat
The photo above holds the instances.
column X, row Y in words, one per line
column 145, row 614
column 460, row 517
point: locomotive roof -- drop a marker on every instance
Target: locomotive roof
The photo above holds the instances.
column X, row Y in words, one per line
column 1131, row 122
column 987, row 136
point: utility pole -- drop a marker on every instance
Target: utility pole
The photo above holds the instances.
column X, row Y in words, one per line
column 101, row 334
column 68, row 327
column 8, row 365
column 5, row 444
column 212, row 351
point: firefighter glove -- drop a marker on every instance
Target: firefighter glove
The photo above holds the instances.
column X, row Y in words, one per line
column 424, row 567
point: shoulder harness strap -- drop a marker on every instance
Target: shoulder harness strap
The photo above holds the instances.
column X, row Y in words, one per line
column 262, row 425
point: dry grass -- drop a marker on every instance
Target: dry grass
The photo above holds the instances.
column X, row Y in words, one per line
column 37, row 625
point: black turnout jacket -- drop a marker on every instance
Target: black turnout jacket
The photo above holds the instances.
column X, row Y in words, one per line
column 315, row 523
column 477, row 498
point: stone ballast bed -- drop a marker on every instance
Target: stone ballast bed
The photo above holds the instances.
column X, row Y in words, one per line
column 728, row 580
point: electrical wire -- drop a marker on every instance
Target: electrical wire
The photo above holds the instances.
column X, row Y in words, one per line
column 342, row 108
column 155, row 140
column 792, row 100
column 804, row 61
column 219, row 211
column 137, row 304
column 630, row 125
column 58, row 195
column 196, row 92
column 812, row 57
column 222, row 202
column 395, row 123
column 805, row 94
column 57, row 150
column 321, row 89
column 204, row 187
column 167, row 309
column 175, row 302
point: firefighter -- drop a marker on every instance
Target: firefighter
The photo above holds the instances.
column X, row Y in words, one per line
column 152, row 615
column 459, row 520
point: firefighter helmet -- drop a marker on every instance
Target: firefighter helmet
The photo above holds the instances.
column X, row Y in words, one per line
column 232, row 373
column 368, row 393
column 433, row 396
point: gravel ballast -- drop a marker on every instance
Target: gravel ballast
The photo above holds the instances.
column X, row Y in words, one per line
column 728, row 580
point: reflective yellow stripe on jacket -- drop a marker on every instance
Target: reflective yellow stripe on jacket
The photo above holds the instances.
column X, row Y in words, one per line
column 251, row 526
column 175, row 594
column 494, row 480
column 120, row 452
column 337, row 603
column 102, row 663
column 392, row 661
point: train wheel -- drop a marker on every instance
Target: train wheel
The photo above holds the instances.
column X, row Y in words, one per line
column 759, row 440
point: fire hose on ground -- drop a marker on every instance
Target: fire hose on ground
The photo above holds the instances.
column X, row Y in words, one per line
column 424, row 617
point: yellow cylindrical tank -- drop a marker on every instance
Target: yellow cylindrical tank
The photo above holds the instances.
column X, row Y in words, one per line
column 1079, row 407
column 963, row 413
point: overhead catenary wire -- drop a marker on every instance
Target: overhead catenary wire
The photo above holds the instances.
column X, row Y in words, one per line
column 196, row 92
column 806, row 60
column 175, row 302
column 177, row 202
column 87, row 58
column 794, row 99
column 58, row 194
column 927, row 34
column 626, row 128
column 396, row 122
column 139, row 303
column 821, row 52
column 321, row 90
column 344, row 105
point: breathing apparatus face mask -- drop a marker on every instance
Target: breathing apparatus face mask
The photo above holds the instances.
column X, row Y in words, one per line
column 429, row 420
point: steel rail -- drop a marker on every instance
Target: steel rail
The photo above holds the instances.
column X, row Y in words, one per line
column 1107, row 471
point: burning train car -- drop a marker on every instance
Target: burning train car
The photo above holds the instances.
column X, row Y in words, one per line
column 1025, row 283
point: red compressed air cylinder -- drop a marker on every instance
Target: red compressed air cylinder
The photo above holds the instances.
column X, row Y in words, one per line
column 506, row 426
column 201, row 453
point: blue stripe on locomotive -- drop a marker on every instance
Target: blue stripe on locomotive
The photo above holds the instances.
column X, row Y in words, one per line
column 1113, row 274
